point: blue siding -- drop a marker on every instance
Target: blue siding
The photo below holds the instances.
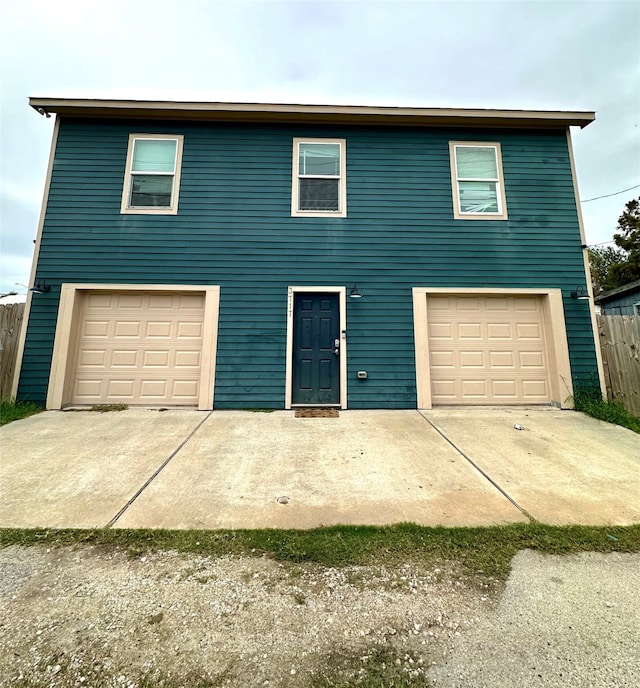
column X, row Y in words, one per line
column 622, row 305
column 234, row 228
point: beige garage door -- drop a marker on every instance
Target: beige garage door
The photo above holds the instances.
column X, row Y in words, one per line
column 139, row 348
column 487, row 350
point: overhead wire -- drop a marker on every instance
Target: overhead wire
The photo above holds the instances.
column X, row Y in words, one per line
column 595, row 198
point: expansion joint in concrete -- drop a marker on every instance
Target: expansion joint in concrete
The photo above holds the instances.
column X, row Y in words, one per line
column 158, row 471
column 475, row 465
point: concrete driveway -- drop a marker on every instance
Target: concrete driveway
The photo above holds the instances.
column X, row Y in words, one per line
column 226, row 469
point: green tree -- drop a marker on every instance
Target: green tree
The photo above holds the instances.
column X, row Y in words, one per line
column 628, row 239
column 601, row 261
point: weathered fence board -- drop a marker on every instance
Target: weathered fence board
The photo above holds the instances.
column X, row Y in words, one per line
column 620, row 343
column 10, row 323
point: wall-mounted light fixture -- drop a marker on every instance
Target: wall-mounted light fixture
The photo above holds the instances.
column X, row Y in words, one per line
column 41, row 287
column 580, row 293
column 354, row 293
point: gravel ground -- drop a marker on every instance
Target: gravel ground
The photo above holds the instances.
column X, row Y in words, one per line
column 84, row 616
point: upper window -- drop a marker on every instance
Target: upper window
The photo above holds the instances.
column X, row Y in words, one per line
column 319, row 178
column 152, row 179
column 478, row 185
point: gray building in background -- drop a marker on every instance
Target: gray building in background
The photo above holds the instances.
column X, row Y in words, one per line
column 621, row 301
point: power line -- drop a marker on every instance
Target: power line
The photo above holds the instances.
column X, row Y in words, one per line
column 611, row 194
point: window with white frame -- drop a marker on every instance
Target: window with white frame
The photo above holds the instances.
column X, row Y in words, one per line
column 636, row 308
column 319, row 178
column 477, row 181
column 152, row 179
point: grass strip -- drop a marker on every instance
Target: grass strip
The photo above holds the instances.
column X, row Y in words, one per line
column 486, row 551
column 589, row 400
column 16, row 410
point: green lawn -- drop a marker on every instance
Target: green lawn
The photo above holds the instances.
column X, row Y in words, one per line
column 485, row 551
column 16, row 410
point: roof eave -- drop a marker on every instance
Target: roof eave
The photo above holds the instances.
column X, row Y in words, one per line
column 311, row 114
column 618, row 291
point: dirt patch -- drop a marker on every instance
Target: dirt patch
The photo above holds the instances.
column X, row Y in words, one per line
column 87, row 617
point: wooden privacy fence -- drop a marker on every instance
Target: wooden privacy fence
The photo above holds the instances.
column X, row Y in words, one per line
column 10, row 323
column 620, row 343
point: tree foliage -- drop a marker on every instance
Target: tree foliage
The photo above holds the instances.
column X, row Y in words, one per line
column 615, row 266
column 628, row 239
column 601, row 260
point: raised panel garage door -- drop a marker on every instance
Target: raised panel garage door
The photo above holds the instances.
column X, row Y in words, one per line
column 487, row 350
column 139, row 348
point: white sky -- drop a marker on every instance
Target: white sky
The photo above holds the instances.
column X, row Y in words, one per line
column 575, row 55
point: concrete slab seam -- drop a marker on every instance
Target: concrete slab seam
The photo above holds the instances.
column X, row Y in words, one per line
column 475, row 465
column 158, row 471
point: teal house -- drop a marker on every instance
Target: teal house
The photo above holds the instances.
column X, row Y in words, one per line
column 272, row 256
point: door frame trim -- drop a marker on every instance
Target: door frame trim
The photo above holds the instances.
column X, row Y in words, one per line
column 561, row 385
column 69, row 311
column 342, row 304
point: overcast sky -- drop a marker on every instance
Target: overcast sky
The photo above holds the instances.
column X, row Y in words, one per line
column 577, row 55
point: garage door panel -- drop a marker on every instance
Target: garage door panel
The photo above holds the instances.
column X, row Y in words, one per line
column 120, row 389
column 535, row 389
column 467, row 303
column 189, row 330
column 474, row 388
column 184, row 389
column 187, row 359
column 90, row 358
column 532, row 359
column 487, row 349
column 131, row 301
column 127, row 358
column 440, row 303
column 95, row 328
column 153, row 389
column 88, row 388
column 162, row 329
column 471, row 359
column 469, row 331
column 191, row 301
column 139, row 348
column 160, row 301
column 528, row 331
column 445, row 388
column 526, row 303
column 127, row 329
column 98, row 301
column 441, row 330
column 504, row 389
column 499, row 331
column 442, row 359
column 160, row 359
column 497, row 304
column 502, row 359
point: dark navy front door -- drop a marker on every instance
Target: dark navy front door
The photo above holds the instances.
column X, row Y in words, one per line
column 316, row 349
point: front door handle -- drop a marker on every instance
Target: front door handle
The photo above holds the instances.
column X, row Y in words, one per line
column 336, row 344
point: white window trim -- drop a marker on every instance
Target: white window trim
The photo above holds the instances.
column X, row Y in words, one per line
column 175, row 189
column 502, row 201
column 636, row 308
column 342, row 186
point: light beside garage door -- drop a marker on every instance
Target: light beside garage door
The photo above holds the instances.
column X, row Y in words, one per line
column 139, row 348
column 487, row 350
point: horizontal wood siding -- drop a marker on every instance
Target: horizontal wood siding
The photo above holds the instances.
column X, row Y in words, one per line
column 622, row 305
column 234, row 228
